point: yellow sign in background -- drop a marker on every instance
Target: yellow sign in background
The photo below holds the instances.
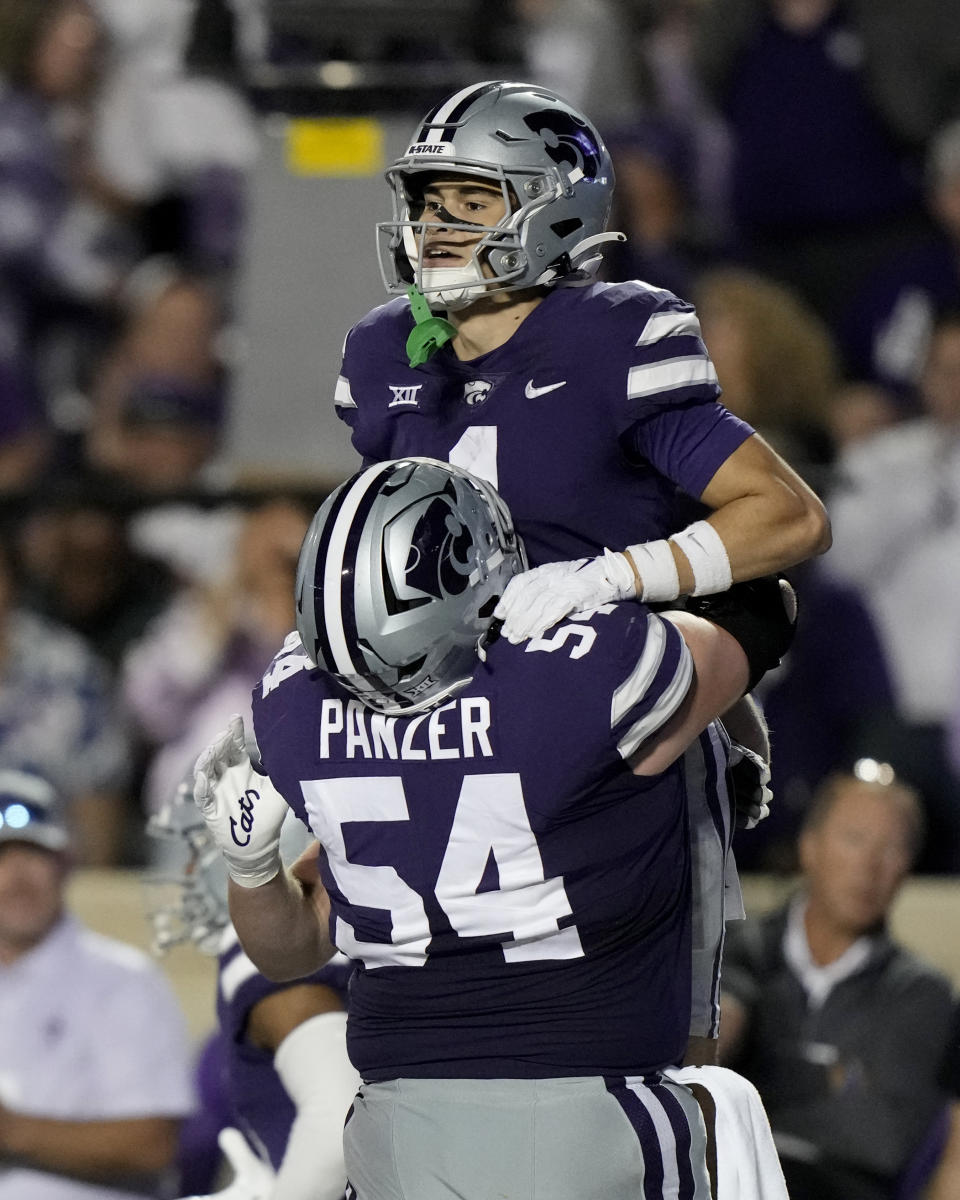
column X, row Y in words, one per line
column 334, row 146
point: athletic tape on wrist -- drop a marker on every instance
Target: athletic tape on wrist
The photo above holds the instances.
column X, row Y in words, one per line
column 707, row 556
column 619, row 571
column 653, row 562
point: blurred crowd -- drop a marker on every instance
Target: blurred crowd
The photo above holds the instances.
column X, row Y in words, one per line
column 790, row 166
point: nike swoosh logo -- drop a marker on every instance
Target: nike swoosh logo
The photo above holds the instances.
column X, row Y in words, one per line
column 532, row 392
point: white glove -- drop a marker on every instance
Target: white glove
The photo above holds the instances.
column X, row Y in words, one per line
column 242, row 808
column 253, row 1179
column 539, row 598
column 751, row 786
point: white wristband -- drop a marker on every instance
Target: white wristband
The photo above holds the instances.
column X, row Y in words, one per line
column 657, row 570
column 707, row 556
column 619, row 575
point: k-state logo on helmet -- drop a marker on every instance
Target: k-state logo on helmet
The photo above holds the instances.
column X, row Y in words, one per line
column 432, row 148
column 568, row 141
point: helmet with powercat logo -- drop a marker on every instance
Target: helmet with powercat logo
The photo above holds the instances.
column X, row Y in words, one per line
column 398, row 578
column 185, row 889
column 556, row 180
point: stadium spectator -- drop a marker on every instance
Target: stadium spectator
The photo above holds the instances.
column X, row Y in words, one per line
column 841, row 1029
column 945, row 1181
column 652, row 204
column 277, row 1067
column 95, row 1056
column 885, row 333
column 860, row 408
column 174, row 132
column 200, row 658
column 826, row 705
column 58, row 714
column 584, row 50
column 59, row 258
column 896, row 519
column 776, row 362
column 160, row 394
column 829, row 116
column 80, row 569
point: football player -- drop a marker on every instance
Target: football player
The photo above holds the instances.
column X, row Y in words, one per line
column 281, row 1046
column 588, row 405
column 504, row 848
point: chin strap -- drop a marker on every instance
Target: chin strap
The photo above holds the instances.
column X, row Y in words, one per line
column 429, row 333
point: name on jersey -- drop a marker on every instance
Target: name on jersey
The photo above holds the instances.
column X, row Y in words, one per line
column 459, row 729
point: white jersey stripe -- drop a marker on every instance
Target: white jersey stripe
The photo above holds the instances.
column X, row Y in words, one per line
column 342, row 396
column 663, row 710
column 635, row 686
column 234, row 974
column 675, row 373
column 669, row 324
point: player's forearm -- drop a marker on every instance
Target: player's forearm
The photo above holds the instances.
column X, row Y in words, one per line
column 110, row 1151
column 766, row 533
column 745, row 723
column 282, row 926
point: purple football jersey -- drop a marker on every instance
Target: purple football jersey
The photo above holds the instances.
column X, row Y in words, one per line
column 588, row 420
column 519, row 900
column 262, row 1107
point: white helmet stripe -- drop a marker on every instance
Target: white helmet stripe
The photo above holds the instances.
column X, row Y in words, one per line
column 444, row 113
column 333, row 573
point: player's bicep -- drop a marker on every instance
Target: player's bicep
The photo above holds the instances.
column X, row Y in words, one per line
column 755, row 469
column 719, row 679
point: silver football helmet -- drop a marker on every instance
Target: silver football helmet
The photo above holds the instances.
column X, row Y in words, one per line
column 555, row 175
column 186, row 894
column 186, row 889
column 399, row 574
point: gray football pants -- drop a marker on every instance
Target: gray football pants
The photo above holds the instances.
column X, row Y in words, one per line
column 518, row 1139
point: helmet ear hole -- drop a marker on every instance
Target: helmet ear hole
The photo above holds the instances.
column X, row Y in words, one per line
column 563, row 229
column 411, row 669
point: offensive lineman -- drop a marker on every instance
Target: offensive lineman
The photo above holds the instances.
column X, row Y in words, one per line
column 504, row 849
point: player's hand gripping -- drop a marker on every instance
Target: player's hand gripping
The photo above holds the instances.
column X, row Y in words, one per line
column 242, row 808
column 539, row 598
column 750, row 775
column 253, row 1179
